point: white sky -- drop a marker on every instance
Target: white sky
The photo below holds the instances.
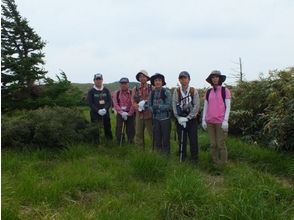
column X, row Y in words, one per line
column 119, row 38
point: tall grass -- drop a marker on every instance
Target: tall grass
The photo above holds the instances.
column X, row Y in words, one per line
column 112, row 182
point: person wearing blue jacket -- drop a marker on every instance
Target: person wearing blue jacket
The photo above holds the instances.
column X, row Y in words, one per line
column 160, row 105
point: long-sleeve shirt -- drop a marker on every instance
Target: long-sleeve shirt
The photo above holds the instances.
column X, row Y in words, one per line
column 99, row 99
column 191, row 103
column 122, row 102
column 140, row 93
column 159, row 106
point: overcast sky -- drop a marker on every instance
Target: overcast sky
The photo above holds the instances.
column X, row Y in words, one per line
column 118, row 38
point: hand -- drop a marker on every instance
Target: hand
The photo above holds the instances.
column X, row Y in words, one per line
column 141, row 105
column 184, row 124
column 124, row 115
column 182, row 120
column 102, row 112
column 204, row 125
column 225, row 126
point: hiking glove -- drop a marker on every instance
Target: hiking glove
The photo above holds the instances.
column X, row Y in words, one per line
column 182, row 120
column 204, row 125
column 102, row 111
column 124, row 115
column 141, row 105
column 225, row 125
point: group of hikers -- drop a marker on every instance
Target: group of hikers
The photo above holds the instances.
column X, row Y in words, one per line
column 151, row 106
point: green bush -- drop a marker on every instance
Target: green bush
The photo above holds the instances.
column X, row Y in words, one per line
column 47, row 127
column 263, row 110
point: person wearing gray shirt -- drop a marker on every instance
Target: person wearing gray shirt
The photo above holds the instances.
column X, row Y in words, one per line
column 185, row 103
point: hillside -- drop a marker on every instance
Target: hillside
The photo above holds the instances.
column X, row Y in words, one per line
column 84, row 87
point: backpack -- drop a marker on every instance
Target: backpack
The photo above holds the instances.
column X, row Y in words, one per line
column 117, row 96
column 223, row 94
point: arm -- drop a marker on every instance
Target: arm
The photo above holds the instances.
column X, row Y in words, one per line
column 108, row 101
column 228, row 109
column 115, row 104
column 204, row 111
column 174, row 103
column 91, row 101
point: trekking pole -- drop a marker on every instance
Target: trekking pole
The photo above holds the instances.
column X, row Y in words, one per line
column 122, row 133
column 153, row 135
column 143, row 130
column 181, row 145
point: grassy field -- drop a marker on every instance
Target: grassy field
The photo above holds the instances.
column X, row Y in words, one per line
column 112, row 182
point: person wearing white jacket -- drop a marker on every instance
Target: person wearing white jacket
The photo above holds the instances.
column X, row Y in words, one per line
column 215, row 117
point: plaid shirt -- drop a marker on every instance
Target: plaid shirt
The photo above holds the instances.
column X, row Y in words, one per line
column 142, row 93
column 122, row 102
column 160, row 108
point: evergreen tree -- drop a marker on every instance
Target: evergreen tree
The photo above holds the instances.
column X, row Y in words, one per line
column 21, row 57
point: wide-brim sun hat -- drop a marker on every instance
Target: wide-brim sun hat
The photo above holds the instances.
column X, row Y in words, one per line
column 144, row 72
column 157, row 76
column 222, row 78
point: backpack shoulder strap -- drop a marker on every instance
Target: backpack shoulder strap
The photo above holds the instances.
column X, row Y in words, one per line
column 117, row 97
column 224, row 94
column 179, row 94
column 152, row 97
column 207, row 94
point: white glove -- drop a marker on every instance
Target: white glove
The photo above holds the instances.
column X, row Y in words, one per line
column 225, row 126
column 182, row 120
column 124, row 115
column 141, row 105
column 102, row 111
column 204, row 125
column 184, row 124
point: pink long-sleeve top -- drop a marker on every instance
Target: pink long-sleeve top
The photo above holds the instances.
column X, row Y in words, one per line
column 122, row 102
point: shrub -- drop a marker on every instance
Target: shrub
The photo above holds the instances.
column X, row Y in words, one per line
column 263, row 110
column 47, row 127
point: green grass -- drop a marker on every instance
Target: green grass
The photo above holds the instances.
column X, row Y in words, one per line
column 112, row 182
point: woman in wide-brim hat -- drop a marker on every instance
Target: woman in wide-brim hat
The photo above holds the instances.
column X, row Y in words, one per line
column 222, row 78
column 216, row 110
column 159, row 103
column 143, row 72
column 157, row 76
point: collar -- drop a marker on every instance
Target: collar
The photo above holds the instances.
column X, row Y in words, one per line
column 96, row 88
column 183, row 93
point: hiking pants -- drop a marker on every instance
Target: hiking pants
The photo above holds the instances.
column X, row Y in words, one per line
column 105, row 120
column 125, row 127
column 192, row 133
column 140, row 126
column 161, row 135
column 217, row 143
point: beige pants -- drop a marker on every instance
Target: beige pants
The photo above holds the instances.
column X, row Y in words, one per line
column 140, row 126
column 217, row 143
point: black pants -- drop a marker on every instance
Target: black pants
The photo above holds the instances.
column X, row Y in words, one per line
column 127, row 127
column 105, row 120
column 191, row 132
column 161, row 135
